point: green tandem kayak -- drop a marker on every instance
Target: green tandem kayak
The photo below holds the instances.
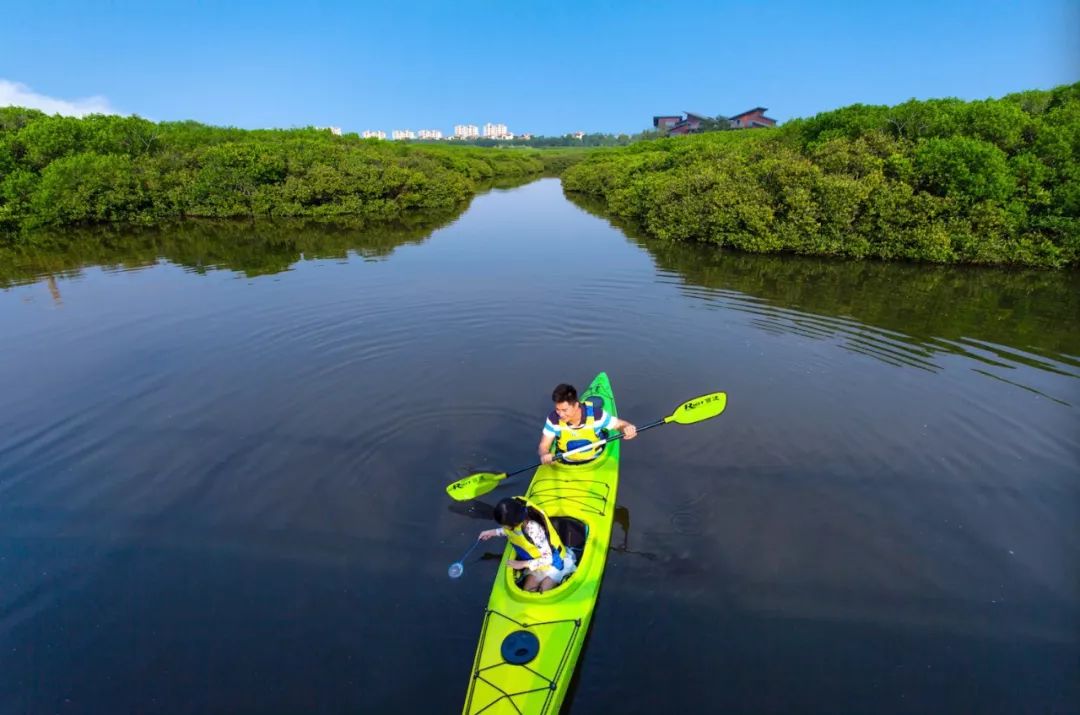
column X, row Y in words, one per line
column 530, row 642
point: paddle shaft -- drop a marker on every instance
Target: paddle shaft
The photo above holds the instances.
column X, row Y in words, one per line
column 616, row 438
column 690, row 412
column 587, row 447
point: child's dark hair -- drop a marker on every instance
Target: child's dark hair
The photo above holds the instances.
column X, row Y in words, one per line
column 513, row 511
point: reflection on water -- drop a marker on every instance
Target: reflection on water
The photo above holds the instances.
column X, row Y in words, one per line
column 224, row 495
column 901, row 314
column 253, row 248
column 250, row 248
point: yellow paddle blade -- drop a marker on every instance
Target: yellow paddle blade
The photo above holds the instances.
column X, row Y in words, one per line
column 699, row 408
column 474, row 485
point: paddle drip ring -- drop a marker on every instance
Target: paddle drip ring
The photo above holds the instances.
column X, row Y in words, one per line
column 520, row 647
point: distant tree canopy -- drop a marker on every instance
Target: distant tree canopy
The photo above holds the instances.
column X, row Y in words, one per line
column 566, row 140
column 994, row 181
column 57, row 171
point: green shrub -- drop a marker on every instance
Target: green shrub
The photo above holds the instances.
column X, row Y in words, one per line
column 993, row 181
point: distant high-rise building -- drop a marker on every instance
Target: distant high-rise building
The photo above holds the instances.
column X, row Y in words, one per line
column 374, row 134
column 466, row 131
column 403, row 134
column 429, row 134
column 496, row 131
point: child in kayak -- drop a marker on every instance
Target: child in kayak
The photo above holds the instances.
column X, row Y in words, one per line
column 577, row 424
column 537, row 545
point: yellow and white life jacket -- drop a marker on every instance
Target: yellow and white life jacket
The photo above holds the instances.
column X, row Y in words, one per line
column 573, row 437
column 526, row 550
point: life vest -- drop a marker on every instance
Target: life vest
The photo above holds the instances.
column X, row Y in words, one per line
column 574, row 437
column 526, row 550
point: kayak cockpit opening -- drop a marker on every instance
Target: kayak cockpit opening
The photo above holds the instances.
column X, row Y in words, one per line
column 573, row 533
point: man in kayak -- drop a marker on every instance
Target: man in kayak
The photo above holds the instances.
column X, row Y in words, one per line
column 537, row 545
column 574, row 424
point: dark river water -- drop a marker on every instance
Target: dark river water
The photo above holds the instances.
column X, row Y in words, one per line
column 223, row 452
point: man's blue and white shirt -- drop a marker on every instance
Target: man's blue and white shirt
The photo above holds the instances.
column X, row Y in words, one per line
column 601, row 421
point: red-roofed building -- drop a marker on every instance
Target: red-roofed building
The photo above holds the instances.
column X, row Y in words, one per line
column 691, row 124
column 752, row 118
column 677, row 124
column 666, row 121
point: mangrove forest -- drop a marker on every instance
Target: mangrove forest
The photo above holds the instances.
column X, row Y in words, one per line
column 66, row 171
column 995, row 181
column 945, row 181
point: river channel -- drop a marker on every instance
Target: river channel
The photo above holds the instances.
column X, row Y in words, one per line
column 222, row 470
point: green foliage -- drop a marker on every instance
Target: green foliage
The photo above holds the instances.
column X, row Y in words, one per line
column 88, row 187
column 556, row 161
column 967, row 169
column 49, row 138
column 850, row 122
column 16, row 190
column 564, row 141
column 57, row 171
column 13, row 119
column 993, row 181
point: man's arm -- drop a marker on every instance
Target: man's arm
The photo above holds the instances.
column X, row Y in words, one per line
column 544, row 450
column 629, row 431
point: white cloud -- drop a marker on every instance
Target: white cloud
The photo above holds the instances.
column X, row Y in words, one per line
column 16, row 94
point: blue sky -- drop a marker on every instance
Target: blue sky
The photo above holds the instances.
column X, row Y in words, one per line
column 541, row 67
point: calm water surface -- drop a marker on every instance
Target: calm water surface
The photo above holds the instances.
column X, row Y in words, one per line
column 222, row 469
